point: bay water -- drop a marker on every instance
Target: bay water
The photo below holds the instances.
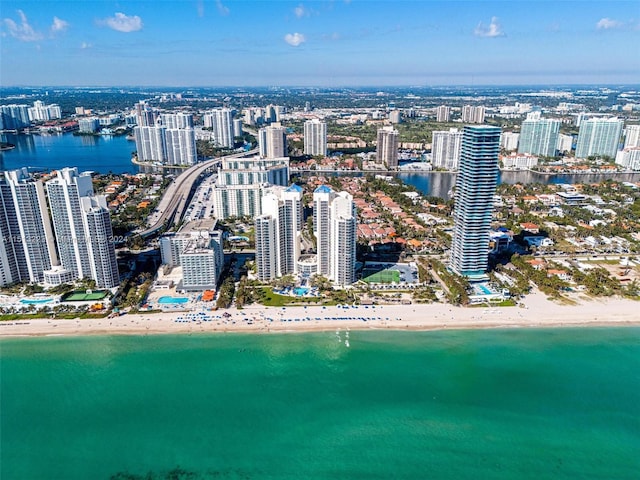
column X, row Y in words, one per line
column 483, row 404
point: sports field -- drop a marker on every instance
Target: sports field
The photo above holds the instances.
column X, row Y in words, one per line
column 381, row 276
column 81, row 296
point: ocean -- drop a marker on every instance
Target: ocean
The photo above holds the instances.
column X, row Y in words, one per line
column 484, row 404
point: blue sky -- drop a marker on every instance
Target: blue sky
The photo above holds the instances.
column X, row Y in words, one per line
column 323, row 43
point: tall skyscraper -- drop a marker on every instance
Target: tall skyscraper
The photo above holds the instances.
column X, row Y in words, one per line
column 334, row 226
column 632, row 136
column 220, row 120
column 509, row 140
column 14, row 117
column 278, row 232
column 315, row 137
column 145, row 115
column 565, row 143
column 150, row 144
column 471, row 114
column 272, row 141
column 82, row 228
column 445, row 148
column 539, row 137
column 28, row 247
column 387, row 147
column 443, row 113
column 170, row 146
column 474, row 191
column 177, row 120
column 181, row 146
column 598, row 136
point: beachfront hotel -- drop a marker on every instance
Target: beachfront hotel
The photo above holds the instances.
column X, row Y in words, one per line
column 474, row 191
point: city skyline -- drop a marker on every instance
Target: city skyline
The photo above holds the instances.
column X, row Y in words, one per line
column 319, row 43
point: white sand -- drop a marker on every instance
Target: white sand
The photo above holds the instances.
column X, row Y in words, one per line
column 538, row 312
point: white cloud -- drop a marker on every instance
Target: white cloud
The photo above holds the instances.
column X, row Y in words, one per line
column 490, row 31
column 23, row 31
column 608, row 24
column 300, row 11
column 123, row 23
column 221, row 8
column 294, row 39
column 85, row 45
column 59, row 25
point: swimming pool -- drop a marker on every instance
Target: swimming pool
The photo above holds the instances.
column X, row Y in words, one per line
column 484, row 290
column 169, row 300
column 28, row 301
column 300, row 291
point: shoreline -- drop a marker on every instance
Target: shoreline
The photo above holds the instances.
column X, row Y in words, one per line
column 537, row 313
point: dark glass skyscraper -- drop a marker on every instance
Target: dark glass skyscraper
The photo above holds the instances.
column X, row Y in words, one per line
column 475, row 188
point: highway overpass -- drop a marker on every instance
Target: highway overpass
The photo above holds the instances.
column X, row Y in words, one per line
column 175, row 199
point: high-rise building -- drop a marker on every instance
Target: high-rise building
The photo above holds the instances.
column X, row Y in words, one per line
column 177, row 120
column 509, row 140
column 181, row 146
column 237, row 127
column 28, row 247
column 14, row 117
column 334, row 226
column 242, row 181
column 475, row 187
column 151, row 144
column 395, row 116
column 445, row 148
column 82, row 228
column 278, row 232
column 272, row 141
column 387, row 147
column 565, row 143
column 145, row 115
column 632, row 136
column 197, row 249
column 43, row 113
column 443, row 113
column 599, row 136
column 539, row 137
column 88, row 125
column 315, row 137
column 220, row 121
column 629, row 158
column 471, row 114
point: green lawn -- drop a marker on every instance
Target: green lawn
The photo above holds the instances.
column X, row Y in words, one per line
column 383, row 276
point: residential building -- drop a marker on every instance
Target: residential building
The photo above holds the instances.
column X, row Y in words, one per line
column 443, row 113
column 43, row 113
column 150, row 144
column 445, row 148
column 14, row 117
column 509, row 141
column 241, row 183
column 565, row 143
column 27, row 248
column 471, row 114
column 82, row 228
column 181, row 146
column 475, row 187
column 629, row 158
column 272, row 141
column 197, row 248
column 315, row 137
column 387, row 146
column 278, row 232
column 395, row 116
column 88, row 125
column 539, row 137
column 599, row 137
column 237, row 127
column 518, row 161
column 334, row 226
column 145, row 115
column 177, row 120
column 632, row 136
column 220, row 121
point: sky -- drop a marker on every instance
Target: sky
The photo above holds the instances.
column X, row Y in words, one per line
column 318, row 43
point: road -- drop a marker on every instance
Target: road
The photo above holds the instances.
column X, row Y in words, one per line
column 175, row 199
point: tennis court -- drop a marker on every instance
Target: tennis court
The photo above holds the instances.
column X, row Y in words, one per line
column 82, row 296
column 381, row 276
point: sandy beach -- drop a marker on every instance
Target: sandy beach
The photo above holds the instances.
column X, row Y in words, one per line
column 537, row 312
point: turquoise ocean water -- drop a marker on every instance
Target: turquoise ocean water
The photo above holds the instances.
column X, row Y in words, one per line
column 488, row 404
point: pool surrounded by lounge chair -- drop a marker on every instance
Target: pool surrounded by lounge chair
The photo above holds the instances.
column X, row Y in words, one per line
column 167, row 300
